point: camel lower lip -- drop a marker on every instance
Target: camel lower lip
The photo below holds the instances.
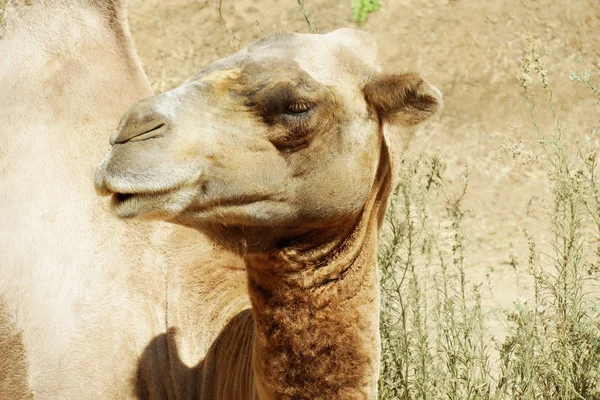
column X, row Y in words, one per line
column 126, row 205
column 130, row 205
column 118, row 200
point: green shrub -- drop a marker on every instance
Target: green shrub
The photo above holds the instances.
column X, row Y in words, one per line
column 362, row 8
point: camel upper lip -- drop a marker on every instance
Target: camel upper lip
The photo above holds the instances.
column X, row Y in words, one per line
column 105, row 186
column 124, row 194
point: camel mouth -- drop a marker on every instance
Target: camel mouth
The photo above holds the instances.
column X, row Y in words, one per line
column 163, row 204
column 125, row 204
column 119, row 198
column 131, row 205
column 132, row 197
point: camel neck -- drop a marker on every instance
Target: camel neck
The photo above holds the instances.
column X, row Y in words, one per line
column 316, row 311
column 317, row 337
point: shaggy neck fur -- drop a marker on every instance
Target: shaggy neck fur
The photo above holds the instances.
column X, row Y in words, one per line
column 316, row 311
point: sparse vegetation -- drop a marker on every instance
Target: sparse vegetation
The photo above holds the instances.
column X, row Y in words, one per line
column 435, row 340
column 433, row 330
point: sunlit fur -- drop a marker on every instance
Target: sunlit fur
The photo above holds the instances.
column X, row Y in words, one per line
column 86, row 299
column 278, row 152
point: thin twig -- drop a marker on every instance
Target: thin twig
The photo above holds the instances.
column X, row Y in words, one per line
column 234, row 43
column 312, row 27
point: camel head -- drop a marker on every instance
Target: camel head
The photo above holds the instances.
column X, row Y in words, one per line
column 279, row 139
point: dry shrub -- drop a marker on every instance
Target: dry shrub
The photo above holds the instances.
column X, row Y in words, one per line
column 434, row 336
column 433, row 332
column 2, row 7
column 553, row 350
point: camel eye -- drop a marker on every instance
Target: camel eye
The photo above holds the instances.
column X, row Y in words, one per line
column 298, row 108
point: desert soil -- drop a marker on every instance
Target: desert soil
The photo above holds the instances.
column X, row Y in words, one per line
column 470, row 50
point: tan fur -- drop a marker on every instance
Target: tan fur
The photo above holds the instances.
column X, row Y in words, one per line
column 13, row 362
column 86, row 299
column 66, row 282
column 279, row 153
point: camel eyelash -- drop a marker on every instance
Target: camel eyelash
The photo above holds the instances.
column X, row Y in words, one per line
column 300, row 107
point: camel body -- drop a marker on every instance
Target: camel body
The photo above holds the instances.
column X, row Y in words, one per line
column 86, row 300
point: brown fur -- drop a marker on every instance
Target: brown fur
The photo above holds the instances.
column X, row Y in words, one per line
column 403, row 98
column 314, row 337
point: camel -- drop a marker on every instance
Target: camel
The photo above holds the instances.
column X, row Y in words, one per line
column 90, row 307
column 279, row 153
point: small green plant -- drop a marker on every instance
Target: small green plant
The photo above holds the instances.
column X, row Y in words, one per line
column 362, row 8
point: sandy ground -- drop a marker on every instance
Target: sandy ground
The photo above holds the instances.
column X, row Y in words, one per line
column 469, row 49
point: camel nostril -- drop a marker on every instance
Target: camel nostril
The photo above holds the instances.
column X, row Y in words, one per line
column 123, row 136
column 139, row 126
column 150, row 133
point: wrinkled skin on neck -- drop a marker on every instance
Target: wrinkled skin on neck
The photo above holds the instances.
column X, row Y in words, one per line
column 278, row 152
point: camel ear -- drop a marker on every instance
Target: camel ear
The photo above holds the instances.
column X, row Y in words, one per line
column 404, row 99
